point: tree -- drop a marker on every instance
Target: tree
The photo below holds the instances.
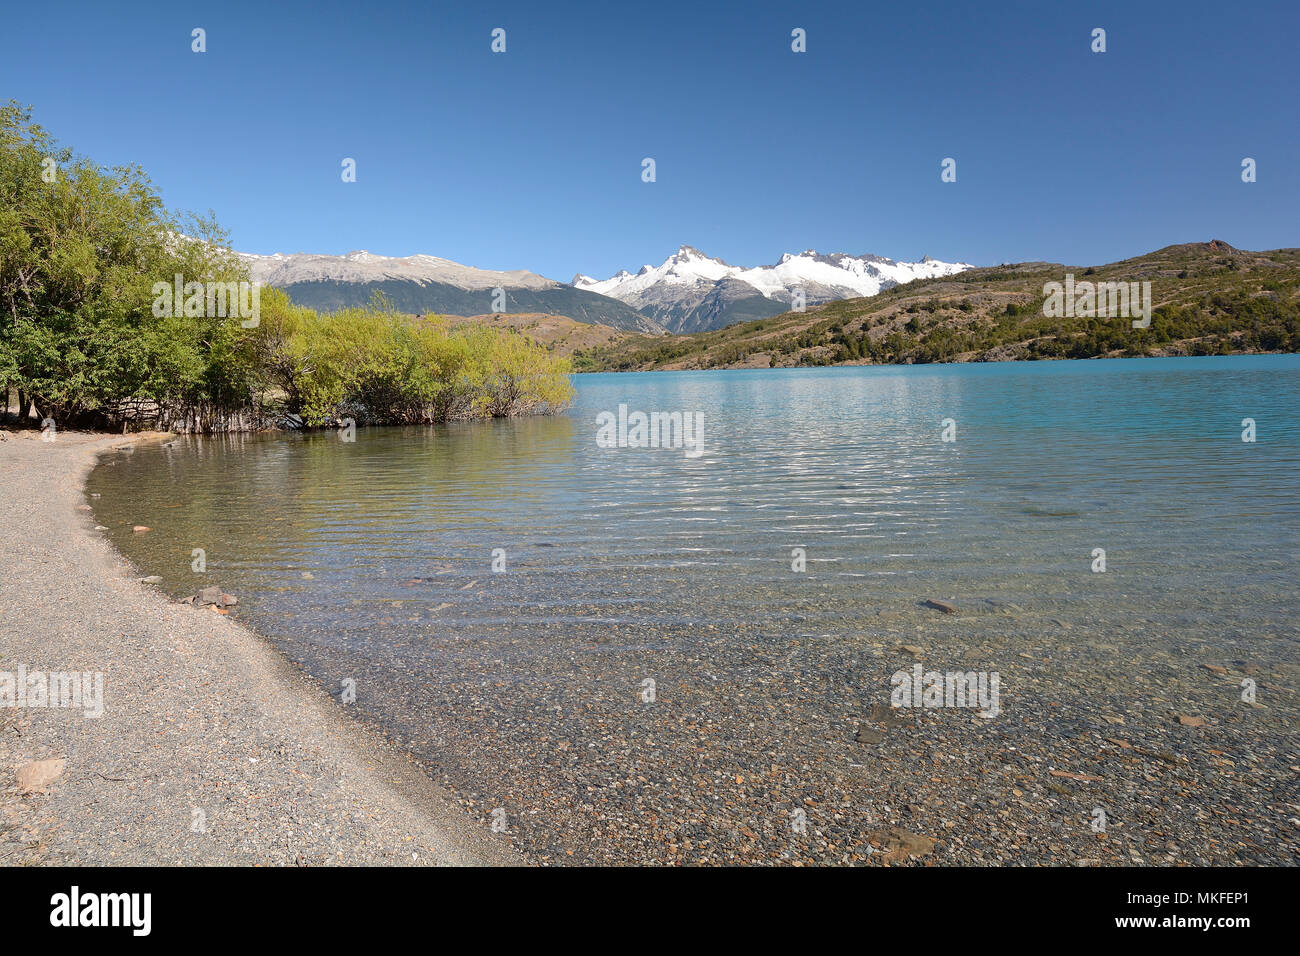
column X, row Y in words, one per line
column 80, row 249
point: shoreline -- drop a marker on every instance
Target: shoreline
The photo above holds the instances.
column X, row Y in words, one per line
column 969, row 359
column 213, row 749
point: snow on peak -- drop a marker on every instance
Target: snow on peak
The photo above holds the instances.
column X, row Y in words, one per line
column 822, row 277
column 686, row 253
column 687, row 266
column 362, row 266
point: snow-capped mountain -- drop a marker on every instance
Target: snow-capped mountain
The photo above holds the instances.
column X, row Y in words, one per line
column 424, row 283
column 282, row 270
column 692, row 292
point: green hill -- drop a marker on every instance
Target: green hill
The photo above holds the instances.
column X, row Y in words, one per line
column 1208, row 299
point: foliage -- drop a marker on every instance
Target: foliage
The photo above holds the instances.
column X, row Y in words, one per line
column 379, row 366
column 81, row 249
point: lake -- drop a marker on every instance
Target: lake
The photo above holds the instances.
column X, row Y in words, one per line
column 678, row 655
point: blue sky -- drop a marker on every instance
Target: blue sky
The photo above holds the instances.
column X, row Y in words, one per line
column 532, row 158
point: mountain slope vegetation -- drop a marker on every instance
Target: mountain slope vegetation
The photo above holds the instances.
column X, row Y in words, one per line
column 1208, row 299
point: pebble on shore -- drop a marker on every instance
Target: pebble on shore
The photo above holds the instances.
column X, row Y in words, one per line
column 39, row 774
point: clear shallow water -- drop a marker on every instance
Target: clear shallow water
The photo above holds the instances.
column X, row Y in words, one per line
column 372, row 559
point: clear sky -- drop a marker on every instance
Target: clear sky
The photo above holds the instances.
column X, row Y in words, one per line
column 532, row 158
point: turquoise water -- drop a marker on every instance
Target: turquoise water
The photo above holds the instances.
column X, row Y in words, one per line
column 374, row 559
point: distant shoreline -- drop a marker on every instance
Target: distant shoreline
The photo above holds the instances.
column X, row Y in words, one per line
column 956, row 361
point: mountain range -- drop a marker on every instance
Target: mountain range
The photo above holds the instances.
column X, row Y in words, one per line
column 692, row 292
column 689, row 292
column 428, row 284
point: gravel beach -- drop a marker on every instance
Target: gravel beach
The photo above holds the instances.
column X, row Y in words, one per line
column 212, row 749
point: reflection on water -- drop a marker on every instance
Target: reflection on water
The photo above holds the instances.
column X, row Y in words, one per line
column 375, row 557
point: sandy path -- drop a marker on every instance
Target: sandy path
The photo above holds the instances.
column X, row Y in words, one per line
column 212, row 748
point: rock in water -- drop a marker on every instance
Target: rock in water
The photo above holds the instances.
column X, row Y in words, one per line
column 941, row 606
column 900, row 845
column 1071, row 775
column 207, row 596
column 39, row 774
column 883, row 713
